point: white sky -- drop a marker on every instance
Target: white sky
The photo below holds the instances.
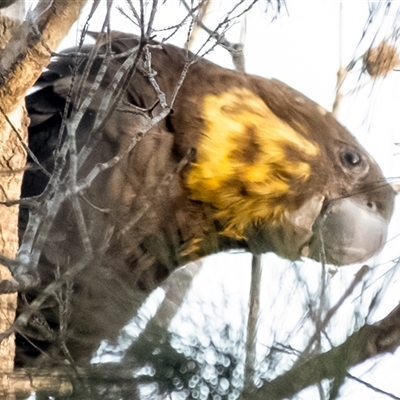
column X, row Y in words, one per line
column 304, row 49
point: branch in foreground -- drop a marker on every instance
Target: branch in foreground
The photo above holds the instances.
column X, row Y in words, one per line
column 372, row 387
column 368, row 342
column 253, row 315
column 44, row 381
column 29, row 51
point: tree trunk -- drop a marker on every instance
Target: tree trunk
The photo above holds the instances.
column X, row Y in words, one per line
column 23, row 57
column 12, row 162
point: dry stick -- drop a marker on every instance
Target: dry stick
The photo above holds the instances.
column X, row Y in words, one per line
column 35, row 50
column 47, row 23
column 151, row 18
column 44, row 223
column 90, row 145
column 255, row 292
column 317, row 338
column 44, row 381
column 151, row 75
column 79, row 54
column 24, row 317
column 135, row 13
column 178, row 26
column 82, row 228
column 85, row 77
column 203, row 7
column 342, row 72
column 46, row 26
column 8, row 262
column 92, row 58
column 341, row 76
column 22, row 320
column 63, row 298
column 73, row 171
column 220, row 38
column 281, row 384
column 254, row 312
column 31, row 250
column 357, row 279
column 141, row 22
column 372, row 387
column 50, row 289
column 88, row 65
column 126, row 70
column 369, row 341
column 119, row 85
column 82, row 185
column 26, row 147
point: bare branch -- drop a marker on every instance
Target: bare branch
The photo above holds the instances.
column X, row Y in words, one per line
column 19, row 73
column 324, row 323
column 253, row 315
column 368, row 342
column 372, row 387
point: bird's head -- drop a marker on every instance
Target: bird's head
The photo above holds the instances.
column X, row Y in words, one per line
column 282, row 175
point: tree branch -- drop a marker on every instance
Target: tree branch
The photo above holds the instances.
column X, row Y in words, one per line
column 368, row 342
column 29, row 50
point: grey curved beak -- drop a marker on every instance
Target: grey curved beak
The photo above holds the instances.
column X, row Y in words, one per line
column 348, row 232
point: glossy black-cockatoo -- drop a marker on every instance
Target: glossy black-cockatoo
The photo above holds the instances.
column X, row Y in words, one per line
column 172, row 158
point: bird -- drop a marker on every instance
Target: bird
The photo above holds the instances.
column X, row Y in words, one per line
column 163, row 157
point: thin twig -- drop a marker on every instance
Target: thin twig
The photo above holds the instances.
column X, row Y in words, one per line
column 372, row 387
column 21, row 140
column 357, row 279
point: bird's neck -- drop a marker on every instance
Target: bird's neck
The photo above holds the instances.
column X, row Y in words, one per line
column 182, row 232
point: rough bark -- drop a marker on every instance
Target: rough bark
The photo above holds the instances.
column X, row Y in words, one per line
column 21, row 62
column 29, row 50
column 12, row 161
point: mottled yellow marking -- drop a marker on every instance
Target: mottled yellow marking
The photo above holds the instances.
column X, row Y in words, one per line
column 246, row 161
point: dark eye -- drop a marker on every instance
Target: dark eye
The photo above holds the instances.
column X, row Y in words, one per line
column 350, row 158
column 353, row 162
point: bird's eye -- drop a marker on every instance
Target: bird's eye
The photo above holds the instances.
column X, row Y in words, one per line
column 350, row 158
column 353, row 162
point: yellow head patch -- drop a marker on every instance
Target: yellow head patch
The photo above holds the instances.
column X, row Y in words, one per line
column 246, row 161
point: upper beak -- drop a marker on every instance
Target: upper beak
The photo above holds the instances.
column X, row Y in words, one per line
column 348, row 232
